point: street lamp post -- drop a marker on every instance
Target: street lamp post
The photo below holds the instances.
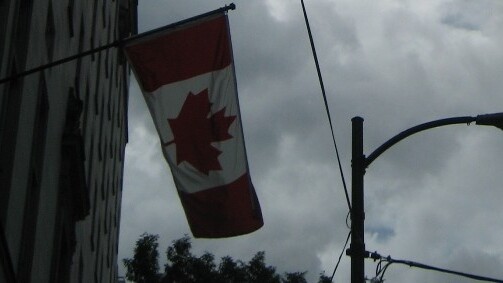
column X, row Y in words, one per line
column 357, row 247
column 359, row 163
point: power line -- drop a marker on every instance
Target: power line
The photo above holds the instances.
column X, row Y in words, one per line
column 340, row 256
column 389, row 260
column 320, row 78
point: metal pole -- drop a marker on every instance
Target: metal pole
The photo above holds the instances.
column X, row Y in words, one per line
column 224, row 9
column 357, row 247
column 360, row 162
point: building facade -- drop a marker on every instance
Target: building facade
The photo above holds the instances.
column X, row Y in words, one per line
column 63, row 132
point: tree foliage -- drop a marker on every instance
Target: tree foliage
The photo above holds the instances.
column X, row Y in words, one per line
column 324, row 278
column 185, row 267
column 144, row 266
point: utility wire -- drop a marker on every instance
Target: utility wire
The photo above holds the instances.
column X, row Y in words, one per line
column 340, row 256
column 410, row 263
column 320, row 78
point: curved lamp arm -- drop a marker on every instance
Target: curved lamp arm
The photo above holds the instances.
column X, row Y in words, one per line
column 360, row 162
column 495, row 119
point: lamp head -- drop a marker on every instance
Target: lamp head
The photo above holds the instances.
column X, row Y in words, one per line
column 495, row 119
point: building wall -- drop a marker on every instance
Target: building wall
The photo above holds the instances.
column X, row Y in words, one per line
column 63, row 131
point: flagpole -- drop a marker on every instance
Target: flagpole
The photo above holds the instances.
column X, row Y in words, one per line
column 116, row 43
column 226, row 8
column 59, row 62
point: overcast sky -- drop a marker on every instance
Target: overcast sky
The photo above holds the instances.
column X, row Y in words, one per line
column 434, row 197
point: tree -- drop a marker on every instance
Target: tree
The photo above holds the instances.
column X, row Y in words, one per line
column 231, row 271
column 295, row 277
column 184, row 267
column 324, row 278
column 259, row 272
column 144, row 266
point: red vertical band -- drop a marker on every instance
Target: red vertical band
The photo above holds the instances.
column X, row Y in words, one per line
column 225, row 211
column 181, row 54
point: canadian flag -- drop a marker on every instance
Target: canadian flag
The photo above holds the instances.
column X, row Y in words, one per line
column 188, row 81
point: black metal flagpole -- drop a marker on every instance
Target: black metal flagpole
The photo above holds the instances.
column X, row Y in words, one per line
column 116, row 43
column 59, row 62
column 226, row 8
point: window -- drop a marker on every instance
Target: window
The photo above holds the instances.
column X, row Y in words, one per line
column 64, row 261
column 114, row 179
column 111, row 148
column 76, row 84
column 95, row 205
column 86, row 109
column 116, row 214
column 99, row 258
column 104, row 13
column 81, row 268
column 50, row 32
column 34, row 183
column 101, row 267
column 109, row 30
column 120, row 107
column 106, row 63
column 118, row 69
column 69, row 14
column 102, row 140
column 97, row 90
column 22, row 33
column 93, row 29
column 78, row 69
column 103, row 187
column 90, row 159
column 10, row 103
column 4, row 16
column 109, row 106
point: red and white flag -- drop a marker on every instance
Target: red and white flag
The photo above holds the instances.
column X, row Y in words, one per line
column 187, row 78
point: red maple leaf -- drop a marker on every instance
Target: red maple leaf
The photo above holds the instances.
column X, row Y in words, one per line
column 194, row 132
